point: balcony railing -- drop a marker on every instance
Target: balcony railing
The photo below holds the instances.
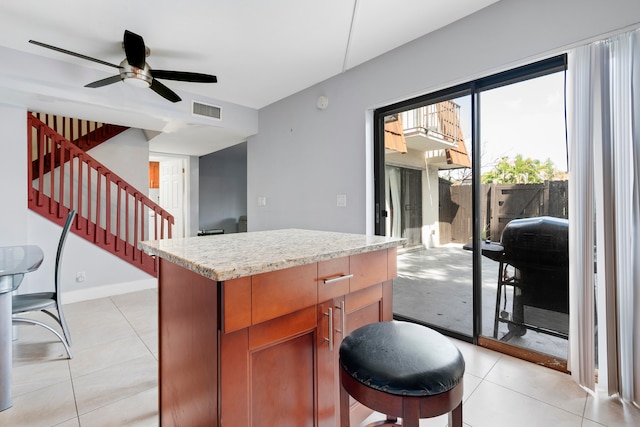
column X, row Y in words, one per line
column 441, row 120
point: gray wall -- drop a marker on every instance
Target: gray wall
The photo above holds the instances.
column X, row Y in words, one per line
column 302, row 157
column 13, row 172
column 223, row 188
column 193, row 206
column 127, row 155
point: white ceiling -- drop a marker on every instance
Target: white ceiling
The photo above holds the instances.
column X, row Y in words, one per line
column 260, row 50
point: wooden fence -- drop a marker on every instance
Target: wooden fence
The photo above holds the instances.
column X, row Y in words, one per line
column 500, row 204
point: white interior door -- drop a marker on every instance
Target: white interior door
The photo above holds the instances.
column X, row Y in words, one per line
column 172, row 192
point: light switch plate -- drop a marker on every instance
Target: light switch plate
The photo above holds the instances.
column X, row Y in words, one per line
column 341, row 200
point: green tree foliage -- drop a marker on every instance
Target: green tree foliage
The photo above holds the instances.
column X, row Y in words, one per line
column 520, row 171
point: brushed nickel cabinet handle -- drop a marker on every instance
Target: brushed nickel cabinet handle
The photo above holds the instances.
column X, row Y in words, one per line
column 330, row 339
column 338, row 279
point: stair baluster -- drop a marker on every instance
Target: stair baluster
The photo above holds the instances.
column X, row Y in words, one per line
column 62, row 177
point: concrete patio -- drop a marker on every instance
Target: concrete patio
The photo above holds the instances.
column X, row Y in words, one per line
column 435, row 286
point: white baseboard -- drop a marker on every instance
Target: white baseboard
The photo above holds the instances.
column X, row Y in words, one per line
column 108, row 290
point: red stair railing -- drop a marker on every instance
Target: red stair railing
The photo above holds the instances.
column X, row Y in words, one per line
column 110, row 212
column 84, row 134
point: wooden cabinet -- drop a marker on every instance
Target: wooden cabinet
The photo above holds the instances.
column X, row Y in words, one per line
column 365, row 297
column 368, row 305
column 345, row 313
column 266, row 352
column 267, row 372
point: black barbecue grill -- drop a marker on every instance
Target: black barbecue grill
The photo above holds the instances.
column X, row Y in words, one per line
column 537, row 249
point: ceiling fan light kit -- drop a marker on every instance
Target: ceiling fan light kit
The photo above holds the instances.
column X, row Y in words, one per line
column 139, row 77
column 135, row 71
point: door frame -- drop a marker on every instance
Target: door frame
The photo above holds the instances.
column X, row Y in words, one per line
column 473, row 88
column 186, row 199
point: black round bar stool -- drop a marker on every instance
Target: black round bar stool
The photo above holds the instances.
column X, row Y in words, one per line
column 403, row 370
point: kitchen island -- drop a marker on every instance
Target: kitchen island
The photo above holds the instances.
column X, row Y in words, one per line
column 250, row 323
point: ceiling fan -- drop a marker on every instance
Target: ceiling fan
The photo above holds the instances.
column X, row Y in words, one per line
column 135, row 70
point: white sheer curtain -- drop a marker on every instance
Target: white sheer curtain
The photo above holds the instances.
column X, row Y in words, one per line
column 604, row 174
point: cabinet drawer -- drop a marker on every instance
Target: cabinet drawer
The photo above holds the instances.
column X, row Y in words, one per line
column 284, row 291
column 333, row 278
column 368, row 269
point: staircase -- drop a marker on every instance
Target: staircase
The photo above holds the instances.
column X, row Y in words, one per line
column 110, row 212
column 84, row 134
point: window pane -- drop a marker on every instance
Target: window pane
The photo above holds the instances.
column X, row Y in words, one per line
column 429, row 203
column 524, row 209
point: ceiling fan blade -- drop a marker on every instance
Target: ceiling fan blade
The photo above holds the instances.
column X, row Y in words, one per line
column 134, row 49
column 104, row 82
column 78, row 55
column 164, row 91
column 184, row 76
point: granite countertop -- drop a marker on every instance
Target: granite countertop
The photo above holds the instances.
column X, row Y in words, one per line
column 229, row 256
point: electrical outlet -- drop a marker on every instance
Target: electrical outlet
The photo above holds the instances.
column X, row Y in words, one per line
column 341, row 200
column 80, row 276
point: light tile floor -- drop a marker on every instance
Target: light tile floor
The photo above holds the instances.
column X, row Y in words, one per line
column 112, row 378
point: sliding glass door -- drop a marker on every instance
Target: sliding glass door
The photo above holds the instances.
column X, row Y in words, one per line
column 523, row 205
column 428, row 201
column 475, row 177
